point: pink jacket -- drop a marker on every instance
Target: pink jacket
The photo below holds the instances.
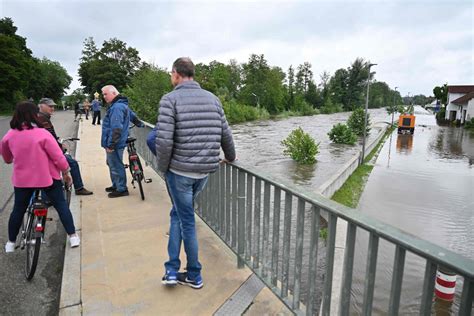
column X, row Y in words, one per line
column 37, row 158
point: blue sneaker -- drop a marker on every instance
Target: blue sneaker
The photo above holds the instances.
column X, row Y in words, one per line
column 195, row 284
column 169, row 278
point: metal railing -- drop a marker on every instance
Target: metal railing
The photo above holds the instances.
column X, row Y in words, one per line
column 274, row 228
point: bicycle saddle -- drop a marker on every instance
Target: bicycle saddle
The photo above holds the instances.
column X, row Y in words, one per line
column 131, row 139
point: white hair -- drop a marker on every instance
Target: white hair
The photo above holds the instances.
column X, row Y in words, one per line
column 110, row 88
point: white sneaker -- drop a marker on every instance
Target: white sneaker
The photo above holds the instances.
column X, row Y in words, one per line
column 74, row 241
column 9, row 246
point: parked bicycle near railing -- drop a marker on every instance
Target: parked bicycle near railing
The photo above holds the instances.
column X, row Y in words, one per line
column 135, row 165
column 38, row 163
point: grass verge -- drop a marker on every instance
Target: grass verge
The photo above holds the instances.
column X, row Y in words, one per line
column 350, row 192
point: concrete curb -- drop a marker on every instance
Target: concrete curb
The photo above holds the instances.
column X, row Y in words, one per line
column 70, row 302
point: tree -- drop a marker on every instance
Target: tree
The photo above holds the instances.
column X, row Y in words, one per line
column 262, row 84
column 356, row 84
column 291, row 88
column 342, row 134
column 356, row 122
column 441, row 93
column 114, row 63
column 15, row 65
column 303, row 77
column 300, row 146
column 146, row 88
column 338, row 87
column 49, row 79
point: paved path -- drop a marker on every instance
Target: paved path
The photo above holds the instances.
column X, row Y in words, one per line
column 124, row 247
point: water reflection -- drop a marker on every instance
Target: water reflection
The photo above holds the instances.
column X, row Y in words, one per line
column 404, row 143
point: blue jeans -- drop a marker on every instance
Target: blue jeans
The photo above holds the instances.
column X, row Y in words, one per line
column 183, row 191
column 22, row 200
column 75, row 172
column 117, row 170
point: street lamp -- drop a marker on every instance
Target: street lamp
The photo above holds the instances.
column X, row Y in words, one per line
column 365, row 117
column 393, row 110
column 258, row 100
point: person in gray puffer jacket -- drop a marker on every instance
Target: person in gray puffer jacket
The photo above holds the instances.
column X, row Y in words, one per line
column 190, row 132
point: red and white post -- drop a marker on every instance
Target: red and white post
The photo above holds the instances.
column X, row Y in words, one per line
column 445, row 285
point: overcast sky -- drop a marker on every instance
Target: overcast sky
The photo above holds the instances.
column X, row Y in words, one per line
column 416, row 44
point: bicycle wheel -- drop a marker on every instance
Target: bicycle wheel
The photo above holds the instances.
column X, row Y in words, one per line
column 33, row 245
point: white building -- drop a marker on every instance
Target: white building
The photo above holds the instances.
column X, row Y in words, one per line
column 460, row 103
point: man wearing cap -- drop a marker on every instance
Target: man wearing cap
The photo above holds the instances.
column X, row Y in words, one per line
column 46, row 109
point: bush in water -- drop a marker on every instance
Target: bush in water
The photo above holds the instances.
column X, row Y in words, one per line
column 300, row 146
column 342, row 134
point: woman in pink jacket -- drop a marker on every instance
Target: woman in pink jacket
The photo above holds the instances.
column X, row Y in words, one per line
column 37, row 163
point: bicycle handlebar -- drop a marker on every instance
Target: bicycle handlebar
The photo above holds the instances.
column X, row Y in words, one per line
column 70, row 139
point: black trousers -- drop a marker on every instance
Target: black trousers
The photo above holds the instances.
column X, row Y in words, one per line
column 96, row 115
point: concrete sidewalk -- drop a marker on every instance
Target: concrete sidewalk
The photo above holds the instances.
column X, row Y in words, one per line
column 118, row 268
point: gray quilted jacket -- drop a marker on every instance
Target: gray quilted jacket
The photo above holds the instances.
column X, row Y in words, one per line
column 191, row 129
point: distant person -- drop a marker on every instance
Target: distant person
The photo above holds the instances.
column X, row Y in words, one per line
column 87, row 108
column 114, row 135
column 96, row 107
column 77, row 111
column 37, row 164
column 46, row 110
column 190, row 131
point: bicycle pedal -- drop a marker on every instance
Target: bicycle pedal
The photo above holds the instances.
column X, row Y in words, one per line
column 148, row 180
column 49, row 219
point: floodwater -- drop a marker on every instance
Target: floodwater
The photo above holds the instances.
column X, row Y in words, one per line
column 422, row 184
column 258, row 144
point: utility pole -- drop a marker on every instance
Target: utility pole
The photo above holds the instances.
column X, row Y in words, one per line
column 393, row 110
column 365, row 117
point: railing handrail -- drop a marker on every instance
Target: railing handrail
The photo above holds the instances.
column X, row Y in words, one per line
column 443, row 256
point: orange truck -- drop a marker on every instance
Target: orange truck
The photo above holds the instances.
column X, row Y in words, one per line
column 406, row 124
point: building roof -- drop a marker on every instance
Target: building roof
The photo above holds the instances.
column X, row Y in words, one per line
column 464, row 99
column 460, row 89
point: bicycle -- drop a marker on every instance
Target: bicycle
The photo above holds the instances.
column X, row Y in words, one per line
column 135, row 166
column 67, row 188
column 32, row 232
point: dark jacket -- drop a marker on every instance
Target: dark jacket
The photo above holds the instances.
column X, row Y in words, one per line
column 191, row 129
column 115, row 124
column 45, row 120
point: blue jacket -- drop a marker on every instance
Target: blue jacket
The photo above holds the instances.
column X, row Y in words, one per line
column 115, row 124
column 150, row 140
column 96, row 106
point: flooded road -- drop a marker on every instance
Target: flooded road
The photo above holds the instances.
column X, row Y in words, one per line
column 427, row 184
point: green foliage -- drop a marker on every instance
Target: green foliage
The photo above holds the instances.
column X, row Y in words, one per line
column 440, row 116
column 114, row 64
column 356, row 122
column 22, row 75
column 323, row 233
column 350, row 192
column 301, row 147
column 469, row 124
column 441, row 93
column 329, row 107
column 147, row 87
column 342, row 134
column 262, row 85
column 49, row 79
column 238, row 113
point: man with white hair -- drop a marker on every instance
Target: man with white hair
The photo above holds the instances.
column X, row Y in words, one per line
column 46, row 109
column 114, row 136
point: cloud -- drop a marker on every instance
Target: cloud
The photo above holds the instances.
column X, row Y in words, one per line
column 416, row 44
